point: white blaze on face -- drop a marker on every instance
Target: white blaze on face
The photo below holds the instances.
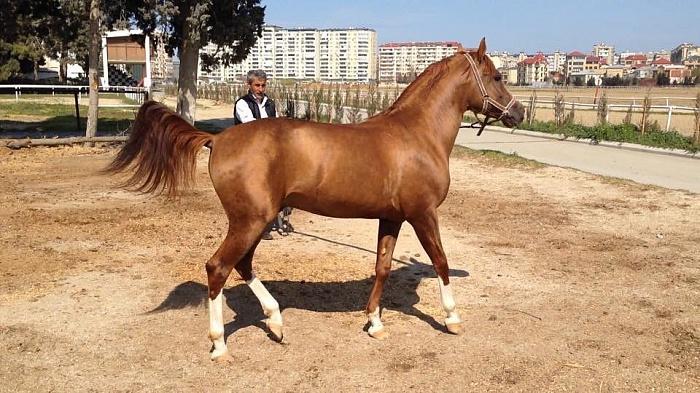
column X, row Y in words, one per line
column 216, row 325
column 270, row 306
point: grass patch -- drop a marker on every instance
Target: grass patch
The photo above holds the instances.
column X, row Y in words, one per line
column 495, row 158
column 617, row 133
column 60, row 118
column 628, row 133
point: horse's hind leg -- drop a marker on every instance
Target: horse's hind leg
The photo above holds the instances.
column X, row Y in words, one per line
column 238, row 243
column 428, row 233
column 270, row 307
column 386, row 241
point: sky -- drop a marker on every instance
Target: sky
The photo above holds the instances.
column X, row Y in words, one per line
column 508, row 25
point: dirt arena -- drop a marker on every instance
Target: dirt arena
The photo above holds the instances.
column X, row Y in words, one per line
column 566, row 282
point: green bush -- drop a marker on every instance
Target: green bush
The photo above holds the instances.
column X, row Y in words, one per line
column 654, row 136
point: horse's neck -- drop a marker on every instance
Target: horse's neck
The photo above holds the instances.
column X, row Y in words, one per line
column 436, row 111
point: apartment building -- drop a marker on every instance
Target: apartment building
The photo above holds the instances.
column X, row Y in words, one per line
column 506, row 64
column 594, row 63
column 635, row 61
column 533, row 70
column 402, row 61
column 683, row 52
column 347, row 55
column 604, row 51
column 575, row 62
column 556, row 62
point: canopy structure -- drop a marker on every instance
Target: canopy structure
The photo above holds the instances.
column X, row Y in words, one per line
column 126, row 59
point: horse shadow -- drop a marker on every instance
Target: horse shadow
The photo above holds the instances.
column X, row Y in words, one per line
column 400, row 294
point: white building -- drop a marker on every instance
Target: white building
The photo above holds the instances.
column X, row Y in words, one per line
column 401, row 61
column 556, row 61
column 605, row 51
column 533, row 70
column 306, row 54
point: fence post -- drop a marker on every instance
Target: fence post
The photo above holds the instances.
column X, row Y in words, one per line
column 668, row 121
column 17, row 93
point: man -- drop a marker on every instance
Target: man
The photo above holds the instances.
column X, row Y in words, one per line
column 254, row 106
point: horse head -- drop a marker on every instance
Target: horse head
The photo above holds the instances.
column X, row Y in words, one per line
column 494, row 100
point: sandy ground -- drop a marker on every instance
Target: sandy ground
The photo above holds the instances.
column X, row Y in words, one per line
column 565, row 281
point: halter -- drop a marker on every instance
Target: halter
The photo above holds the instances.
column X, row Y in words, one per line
column 487, row 100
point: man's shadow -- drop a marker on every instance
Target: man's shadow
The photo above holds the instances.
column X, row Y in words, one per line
column 341, row 296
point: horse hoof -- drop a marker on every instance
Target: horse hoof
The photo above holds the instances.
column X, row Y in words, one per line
column 224, row 358
column 275, row 330
column 454, row 328
column 379, row 334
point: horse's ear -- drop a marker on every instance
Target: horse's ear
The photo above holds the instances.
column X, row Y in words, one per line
column 460, row 49
column 482, row 49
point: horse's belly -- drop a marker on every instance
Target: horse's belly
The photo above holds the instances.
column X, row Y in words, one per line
column 356, row 204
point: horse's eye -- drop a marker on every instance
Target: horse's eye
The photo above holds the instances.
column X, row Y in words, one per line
column 497, row 78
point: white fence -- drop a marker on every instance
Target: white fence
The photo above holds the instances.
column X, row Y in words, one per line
column 137, row 94
column 633, row 106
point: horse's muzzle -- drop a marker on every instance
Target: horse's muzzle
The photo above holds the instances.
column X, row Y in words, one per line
column 515, row 115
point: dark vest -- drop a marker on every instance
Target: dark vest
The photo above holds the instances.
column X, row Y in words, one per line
column 253, row 105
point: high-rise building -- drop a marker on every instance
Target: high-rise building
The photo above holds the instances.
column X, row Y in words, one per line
column 402, row 61
column 306, row 54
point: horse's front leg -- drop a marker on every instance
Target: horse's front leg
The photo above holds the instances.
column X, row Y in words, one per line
column 428, row 232
column 386, row 241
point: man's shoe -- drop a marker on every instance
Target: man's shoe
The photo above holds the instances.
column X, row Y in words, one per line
column 267, row 236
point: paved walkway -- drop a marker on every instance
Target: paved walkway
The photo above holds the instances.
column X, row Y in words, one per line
column 666, row 168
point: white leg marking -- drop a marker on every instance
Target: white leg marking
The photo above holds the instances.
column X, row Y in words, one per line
column 375, row 322
column 448, row 303
column 216, row 326
column 268, row 303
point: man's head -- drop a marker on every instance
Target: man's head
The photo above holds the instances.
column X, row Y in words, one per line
column 257, row 82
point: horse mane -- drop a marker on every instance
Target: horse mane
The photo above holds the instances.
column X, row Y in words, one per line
column 425, row 81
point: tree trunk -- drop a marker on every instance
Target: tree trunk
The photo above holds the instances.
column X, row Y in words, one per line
column 94, row 58
column 36, row 69
column 63, row 67
column 187, row 80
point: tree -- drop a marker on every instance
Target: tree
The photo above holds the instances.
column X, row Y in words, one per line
column 70, row 42
column 695, row 74
column 602, row 109
column 94, row 59
column 662, row 79
column 233, row 26
column 22, row 36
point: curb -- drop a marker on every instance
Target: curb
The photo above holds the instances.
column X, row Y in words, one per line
column 615, row 145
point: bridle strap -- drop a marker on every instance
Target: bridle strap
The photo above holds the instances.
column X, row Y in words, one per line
column 487, row 100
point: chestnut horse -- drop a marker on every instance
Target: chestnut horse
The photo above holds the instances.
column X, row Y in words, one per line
column 393, row 167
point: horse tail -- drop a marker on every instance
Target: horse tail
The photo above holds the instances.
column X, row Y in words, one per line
column 161, row 151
